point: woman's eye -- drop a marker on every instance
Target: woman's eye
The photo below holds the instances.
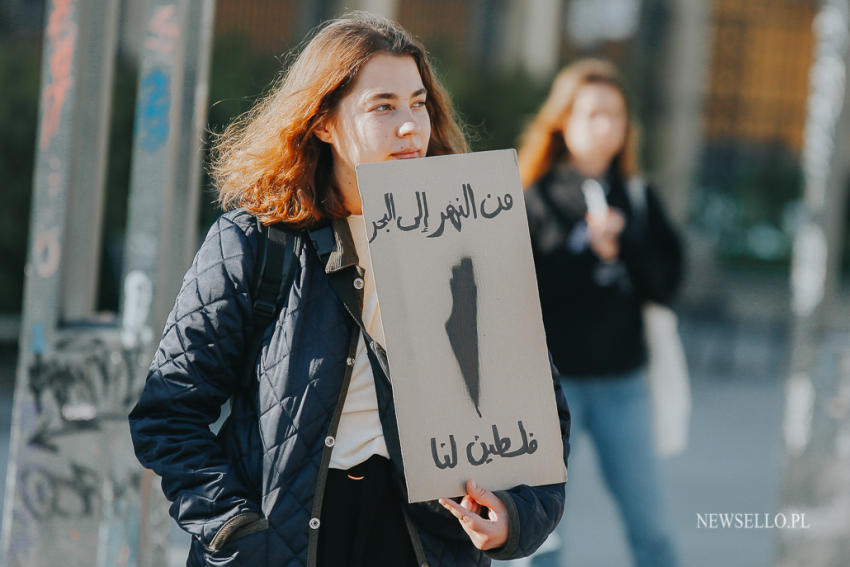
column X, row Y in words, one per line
column 382, row 107
column 419, row 104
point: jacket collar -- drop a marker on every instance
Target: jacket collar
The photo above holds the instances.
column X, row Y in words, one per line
column 334, row 245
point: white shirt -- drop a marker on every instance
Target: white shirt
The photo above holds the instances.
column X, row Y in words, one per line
column 359, row 435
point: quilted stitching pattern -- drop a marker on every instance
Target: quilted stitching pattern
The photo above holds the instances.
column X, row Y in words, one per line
column 267, row 456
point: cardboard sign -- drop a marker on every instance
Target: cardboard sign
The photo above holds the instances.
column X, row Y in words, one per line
column 472, row 385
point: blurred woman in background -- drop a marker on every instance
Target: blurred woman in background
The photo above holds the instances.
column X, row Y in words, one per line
column 603, row 247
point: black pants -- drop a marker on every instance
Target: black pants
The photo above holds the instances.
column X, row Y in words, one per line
column 362, row 523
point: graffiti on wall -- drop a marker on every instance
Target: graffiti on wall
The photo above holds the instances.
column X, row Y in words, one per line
column 155, row 86
column 62, row 38
column 73, row 480
column 84, row 382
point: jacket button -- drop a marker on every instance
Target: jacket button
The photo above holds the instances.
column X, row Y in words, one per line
column 349, row 361
column 358, row 283
column 314, row 523
column 329, row 441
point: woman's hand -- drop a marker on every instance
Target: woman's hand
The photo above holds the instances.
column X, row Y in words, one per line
column 603, row 233
column 486, row 533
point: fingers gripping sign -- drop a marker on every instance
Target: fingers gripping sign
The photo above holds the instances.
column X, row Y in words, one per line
column 485, row 533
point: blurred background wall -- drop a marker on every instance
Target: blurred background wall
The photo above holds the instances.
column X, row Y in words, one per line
column 721, row 90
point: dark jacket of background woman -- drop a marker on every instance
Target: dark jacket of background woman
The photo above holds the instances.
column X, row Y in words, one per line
column 592, row 309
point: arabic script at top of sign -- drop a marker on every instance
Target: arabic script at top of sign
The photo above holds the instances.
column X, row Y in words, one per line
column 456, row 213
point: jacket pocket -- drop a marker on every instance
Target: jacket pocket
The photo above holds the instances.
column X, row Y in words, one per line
column 241, row 541
column 237, row 527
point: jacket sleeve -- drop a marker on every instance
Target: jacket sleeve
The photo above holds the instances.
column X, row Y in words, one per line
column 196, row 368
column 652, row 252
column 534, row 511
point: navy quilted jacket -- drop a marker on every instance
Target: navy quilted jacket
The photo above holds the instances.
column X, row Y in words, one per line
column 267, row 466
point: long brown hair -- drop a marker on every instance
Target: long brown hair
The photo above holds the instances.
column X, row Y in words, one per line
column 542, row 143
column 269, row 159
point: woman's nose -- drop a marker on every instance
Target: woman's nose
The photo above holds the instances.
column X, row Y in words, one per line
column 407, row 127
column 605, row 125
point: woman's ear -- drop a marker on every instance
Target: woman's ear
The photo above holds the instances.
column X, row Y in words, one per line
column 324, row 131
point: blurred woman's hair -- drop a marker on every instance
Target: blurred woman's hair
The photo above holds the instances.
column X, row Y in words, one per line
column 270, row 161
column 542, row 143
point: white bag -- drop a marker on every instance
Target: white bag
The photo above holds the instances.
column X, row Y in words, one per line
column 667, row 368
column 669, row 383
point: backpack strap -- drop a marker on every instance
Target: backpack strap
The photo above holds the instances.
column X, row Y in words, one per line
column 273, row 274
column 323, row 241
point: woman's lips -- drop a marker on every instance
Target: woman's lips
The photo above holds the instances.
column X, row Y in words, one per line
column 406, row 154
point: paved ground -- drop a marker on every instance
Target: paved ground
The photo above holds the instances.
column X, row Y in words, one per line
column 732, row 464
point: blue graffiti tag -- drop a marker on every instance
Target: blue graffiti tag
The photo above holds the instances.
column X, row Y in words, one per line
column 39, row 344
column 154, row 102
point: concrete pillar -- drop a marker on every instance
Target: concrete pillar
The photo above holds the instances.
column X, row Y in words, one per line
column 85, row 208
column 385, row 8
column 170, row 117
column 163, row 205
column 541, row 37
column 64, row 397
column 683, row 76
column 529, row 37
column 816, row 425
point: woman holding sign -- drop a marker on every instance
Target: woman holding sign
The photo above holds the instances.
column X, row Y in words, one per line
column 307, row 469
column 603, row 248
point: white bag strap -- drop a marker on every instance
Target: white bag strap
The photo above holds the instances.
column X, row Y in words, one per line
column 636, row 190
